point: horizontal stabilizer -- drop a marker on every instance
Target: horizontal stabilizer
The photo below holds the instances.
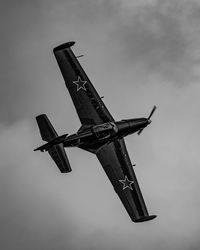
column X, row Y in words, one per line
column 58, row 154
column 47, row 131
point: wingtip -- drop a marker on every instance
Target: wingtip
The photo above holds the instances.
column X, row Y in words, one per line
column 64, row 46
column 145, row 218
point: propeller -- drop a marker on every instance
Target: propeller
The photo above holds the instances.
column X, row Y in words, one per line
column 150, row 115
column 152, row 111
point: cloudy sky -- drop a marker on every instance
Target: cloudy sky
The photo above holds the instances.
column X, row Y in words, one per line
column 137, row 54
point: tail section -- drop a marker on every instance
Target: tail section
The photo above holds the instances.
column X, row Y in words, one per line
column 55, row 149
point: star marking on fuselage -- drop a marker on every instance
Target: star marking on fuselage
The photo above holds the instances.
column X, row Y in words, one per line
column 126, row 183
column 80, row 84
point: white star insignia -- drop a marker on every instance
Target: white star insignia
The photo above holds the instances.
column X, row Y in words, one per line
column 80, row 84
column 126, row 183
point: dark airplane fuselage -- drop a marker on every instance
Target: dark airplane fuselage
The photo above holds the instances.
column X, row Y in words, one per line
column 94, row 136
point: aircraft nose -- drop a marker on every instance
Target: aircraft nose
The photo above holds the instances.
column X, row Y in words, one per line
column 149, row 121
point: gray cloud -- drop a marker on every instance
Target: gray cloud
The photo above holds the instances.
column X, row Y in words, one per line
column 42, row 209
column 162, row 37
column 153, row 37
column 30, row 30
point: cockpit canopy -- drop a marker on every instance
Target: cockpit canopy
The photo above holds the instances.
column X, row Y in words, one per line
column 105, row 130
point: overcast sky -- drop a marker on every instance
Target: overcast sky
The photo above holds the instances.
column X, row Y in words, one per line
column 137, row 54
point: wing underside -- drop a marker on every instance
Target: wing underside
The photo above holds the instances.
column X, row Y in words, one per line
column 89, row 106
column 117, row 165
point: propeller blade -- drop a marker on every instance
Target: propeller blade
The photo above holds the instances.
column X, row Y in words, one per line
column 152, row 111
column 140, row 131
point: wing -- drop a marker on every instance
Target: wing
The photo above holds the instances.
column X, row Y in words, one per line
column 117, row 165
column 89, row 106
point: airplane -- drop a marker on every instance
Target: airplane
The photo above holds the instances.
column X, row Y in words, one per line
column 99, row 134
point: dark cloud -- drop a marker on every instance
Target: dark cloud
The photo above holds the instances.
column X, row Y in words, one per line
column 161, row 37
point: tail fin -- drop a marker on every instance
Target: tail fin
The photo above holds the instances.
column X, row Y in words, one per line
column 57, row 151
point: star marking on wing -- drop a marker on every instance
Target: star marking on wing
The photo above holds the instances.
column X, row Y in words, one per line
column 126, row 183
column 80, row 84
